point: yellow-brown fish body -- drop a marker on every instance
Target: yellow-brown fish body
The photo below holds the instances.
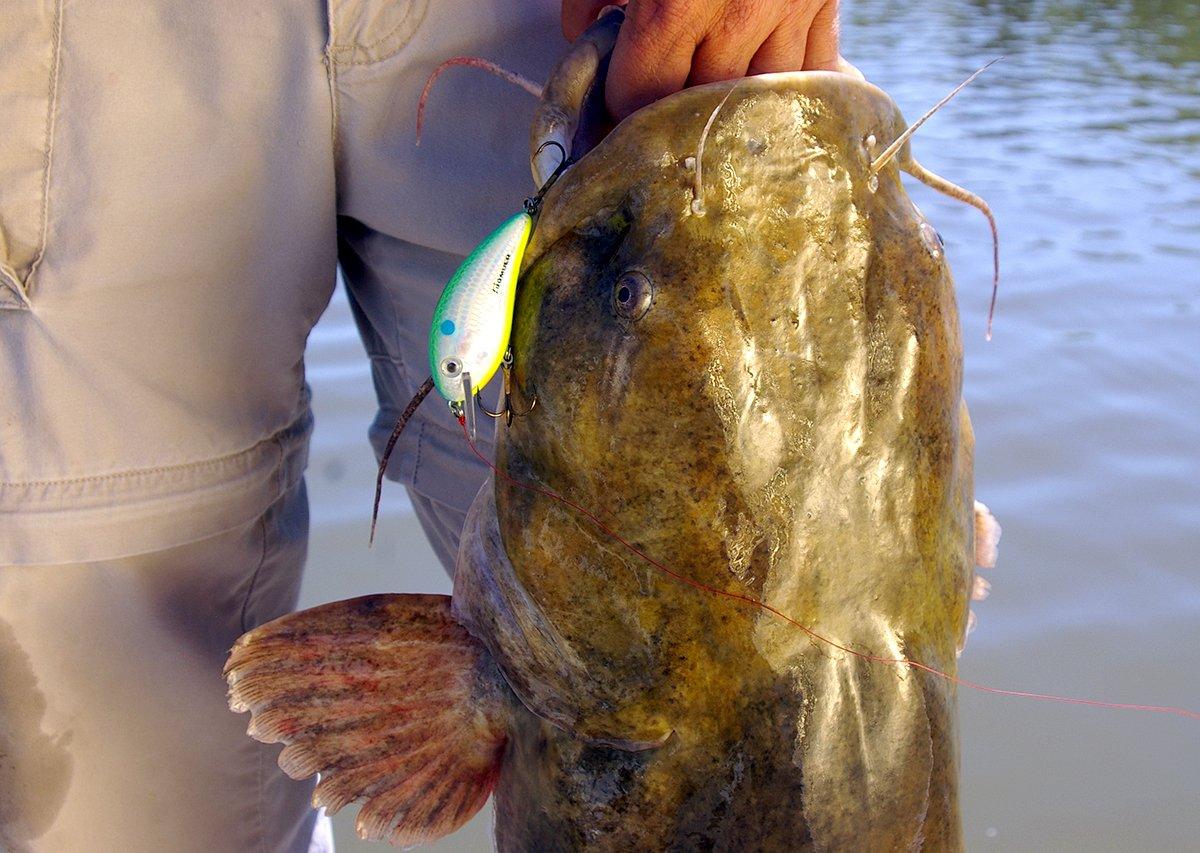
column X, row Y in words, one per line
column 784, row 422
column 762, row 393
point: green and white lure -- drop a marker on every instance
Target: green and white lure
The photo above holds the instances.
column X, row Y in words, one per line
column 468, row 341
column 471, row 325
column 473, row 320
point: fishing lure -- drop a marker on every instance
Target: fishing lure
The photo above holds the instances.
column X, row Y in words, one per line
column 468, row 340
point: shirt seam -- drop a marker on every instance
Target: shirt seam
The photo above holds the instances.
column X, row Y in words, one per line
column 331, row 77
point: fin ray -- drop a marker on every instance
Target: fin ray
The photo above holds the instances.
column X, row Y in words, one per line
column 390, row 699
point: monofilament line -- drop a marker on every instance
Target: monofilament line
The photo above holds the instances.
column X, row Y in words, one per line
column 813, row 635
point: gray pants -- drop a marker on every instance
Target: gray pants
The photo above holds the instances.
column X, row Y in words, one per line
column 116, row 734
column 178, row 181
column 442, row 525
column 114, row 728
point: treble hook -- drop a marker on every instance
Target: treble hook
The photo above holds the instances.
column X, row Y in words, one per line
column 533, row 204
column 463, row 410
column 506, row 401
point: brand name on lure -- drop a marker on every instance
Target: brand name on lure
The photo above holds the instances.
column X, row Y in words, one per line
column 500, row 275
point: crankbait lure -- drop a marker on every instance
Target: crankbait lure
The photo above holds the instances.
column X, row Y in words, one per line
column 468, row 341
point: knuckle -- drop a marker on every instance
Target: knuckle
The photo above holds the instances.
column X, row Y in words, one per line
column 670, row 20
column 735, row 17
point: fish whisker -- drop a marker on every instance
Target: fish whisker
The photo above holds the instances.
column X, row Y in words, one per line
column 890, row 151
column 401, row 423
column 472, row 62
column 698, row 188
column 954, row 191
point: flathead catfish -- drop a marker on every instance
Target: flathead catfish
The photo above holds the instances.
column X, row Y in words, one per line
column 744, row 347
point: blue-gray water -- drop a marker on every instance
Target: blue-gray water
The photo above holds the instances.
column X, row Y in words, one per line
column 1086, row 142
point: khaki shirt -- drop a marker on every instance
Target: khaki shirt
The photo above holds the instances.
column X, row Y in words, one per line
column 178, row 181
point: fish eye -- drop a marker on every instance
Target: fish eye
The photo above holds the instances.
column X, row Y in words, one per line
column 451, row 366
column 632, row 295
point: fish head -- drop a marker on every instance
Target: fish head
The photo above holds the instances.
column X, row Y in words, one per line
column 734, row 383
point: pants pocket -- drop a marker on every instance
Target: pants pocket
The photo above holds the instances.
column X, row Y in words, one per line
column 29, row 69
column 363, row 32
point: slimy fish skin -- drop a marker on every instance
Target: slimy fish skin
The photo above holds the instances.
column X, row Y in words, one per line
column 473, row 318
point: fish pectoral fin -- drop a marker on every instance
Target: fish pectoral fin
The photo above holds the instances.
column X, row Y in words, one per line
column 390, row 699
column 987, row 537
column 987, row 547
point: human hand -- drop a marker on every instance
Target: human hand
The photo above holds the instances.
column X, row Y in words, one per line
column 665, row 45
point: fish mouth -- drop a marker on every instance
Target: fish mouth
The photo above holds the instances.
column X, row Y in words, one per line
column 595, row 125
column 660, row 141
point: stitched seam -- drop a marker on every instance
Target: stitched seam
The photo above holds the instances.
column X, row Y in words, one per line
column 162, row 469
column 352, row 48
column 262, row 524
column 349, row 48
column 51, row 113
column 331, row 77
column 262, row 559
column 276, row 439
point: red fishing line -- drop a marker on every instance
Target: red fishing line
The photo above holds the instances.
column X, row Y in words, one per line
column 747, row 599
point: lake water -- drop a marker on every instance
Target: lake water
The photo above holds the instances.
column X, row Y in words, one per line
column 1086, row 142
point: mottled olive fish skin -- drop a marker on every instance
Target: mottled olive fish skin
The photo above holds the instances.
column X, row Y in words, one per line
column 780, row 417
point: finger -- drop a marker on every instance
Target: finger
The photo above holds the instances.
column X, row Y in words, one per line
column 821, row 52
column 652, row 57
column 727, row 49
column 783, row 48
column 578, row 15
column 715, row 60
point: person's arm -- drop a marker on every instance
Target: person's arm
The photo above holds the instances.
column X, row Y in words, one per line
column 666, row 45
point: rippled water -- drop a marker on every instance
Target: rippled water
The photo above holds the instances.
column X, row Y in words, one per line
column 1086, row 142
